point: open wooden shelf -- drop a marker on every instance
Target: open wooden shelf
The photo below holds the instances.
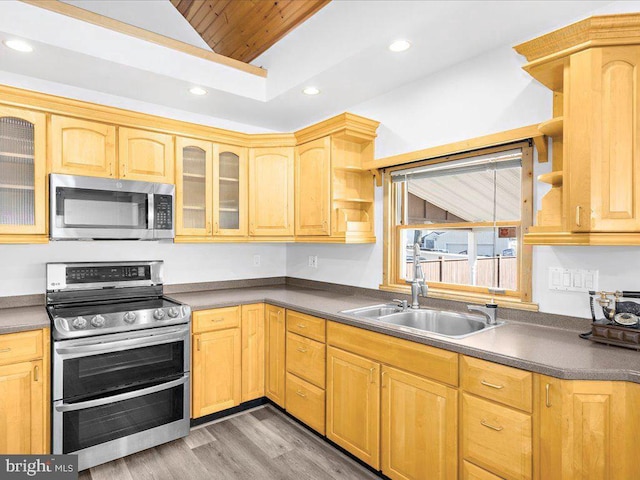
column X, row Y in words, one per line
column 552, row 178
column 552, row 128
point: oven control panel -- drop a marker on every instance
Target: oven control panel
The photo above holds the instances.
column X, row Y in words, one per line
column 95, row 273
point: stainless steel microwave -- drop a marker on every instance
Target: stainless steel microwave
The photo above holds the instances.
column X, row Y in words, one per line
column 91, row 208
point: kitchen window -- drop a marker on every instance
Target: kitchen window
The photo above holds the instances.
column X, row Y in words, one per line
column 467, row 213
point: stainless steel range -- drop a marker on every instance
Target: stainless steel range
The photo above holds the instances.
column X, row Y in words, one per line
column 120, row 360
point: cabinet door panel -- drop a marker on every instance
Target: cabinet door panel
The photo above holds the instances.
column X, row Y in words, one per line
column 23, row 202
column 313, row 187
column 216, row 371
column 81, row 147
column 146, row 156
column 271, row 192
column 253, row 368
column 275, row 354
column 194, row 187
column 21, row 408
column 230, row 173
column 497, row 438
column 419, row 437
column 602, row 142
column 353, row 404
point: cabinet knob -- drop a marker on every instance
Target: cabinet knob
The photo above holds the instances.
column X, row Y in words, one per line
column 36, row 373
column 302, row 349
column 300, row 393
column 217, row 229
column 208, row 227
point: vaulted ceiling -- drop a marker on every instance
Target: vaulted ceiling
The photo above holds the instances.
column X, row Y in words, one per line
column 243, row 29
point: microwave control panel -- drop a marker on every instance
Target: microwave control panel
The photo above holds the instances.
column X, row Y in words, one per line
column 163, row 207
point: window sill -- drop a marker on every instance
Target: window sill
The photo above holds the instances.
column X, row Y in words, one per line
column 468, row 297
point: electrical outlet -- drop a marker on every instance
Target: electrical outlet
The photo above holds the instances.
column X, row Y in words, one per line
column 313, row 261
column 256, row 260
column 573, row 280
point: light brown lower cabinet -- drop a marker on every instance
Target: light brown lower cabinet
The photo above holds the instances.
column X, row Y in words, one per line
column 216, row 371
column 419, row 427
column 588, row 429
column 353, row 404
column 252, row 330
column 24, row 392
column 497, row 438
column 275, row 346
column 306, row 402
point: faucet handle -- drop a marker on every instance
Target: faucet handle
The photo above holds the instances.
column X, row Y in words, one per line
column 403, row 303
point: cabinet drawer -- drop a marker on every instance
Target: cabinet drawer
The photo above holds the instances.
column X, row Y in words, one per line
column 306, row 325
column 502, row 384
column 306, row 359
column 423, row 360
column 216, row 319
column 496, row 438
column 17, row 347
column 305, row 402
column 471, row 472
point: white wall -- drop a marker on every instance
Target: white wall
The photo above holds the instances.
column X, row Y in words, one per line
column 22, row 267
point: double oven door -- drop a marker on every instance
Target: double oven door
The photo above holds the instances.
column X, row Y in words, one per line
column 117, row 394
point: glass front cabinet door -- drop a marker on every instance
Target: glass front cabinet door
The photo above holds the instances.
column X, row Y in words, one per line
column 23, row 202
column 230, row 182
column 194, row 187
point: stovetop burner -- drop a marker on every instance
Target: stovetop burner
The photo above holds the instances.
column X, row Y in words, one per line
column 90, row 308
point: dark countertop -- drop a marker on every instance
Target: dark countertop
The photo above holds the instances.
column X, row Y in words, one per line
column 19, row 319
column 552, row 351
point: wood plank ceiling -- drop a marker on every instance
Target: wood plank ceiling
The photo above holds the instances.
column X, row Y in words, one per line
column 243, row 29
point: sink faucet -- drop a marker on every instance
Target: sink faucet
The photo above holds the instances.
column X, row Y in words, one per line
column 490, row 311
column 418, row 286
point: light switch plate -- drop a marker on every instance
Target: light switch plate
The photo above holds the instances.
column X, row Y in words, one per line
column 573, row 280
column 256, row 260
column 313, row 261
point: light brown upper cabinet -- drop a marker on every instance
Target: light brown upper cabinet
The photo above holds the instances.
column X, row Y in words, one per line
column 230, row 182
column 23, row 205
column 271, row 196
column 603, row 141
column 146, row 156
column 194, row 187
column 81, row 147
column 313, row 187
column 595, row 199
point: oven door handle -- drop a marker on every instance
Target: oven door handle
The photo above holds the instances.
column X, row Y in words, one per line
column 70, row 407
column 99, row 347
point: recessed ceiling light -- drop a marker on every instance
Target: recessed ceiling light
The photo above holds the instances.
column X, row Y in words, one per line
column 400, row 46
column 311, row 91
column 18, row 45
column 197, row 91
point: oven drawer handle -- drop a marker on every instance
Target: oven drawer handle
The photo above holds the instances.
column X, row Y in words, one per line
column 70, row 407
column 108, row 346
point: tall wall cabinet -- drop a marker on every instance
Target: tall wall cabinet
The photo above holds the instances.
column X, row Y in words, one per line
column 593, row 69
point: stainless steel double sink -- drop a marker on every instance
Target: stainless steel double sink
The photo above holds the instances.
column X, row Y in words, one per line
column 423, row 320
